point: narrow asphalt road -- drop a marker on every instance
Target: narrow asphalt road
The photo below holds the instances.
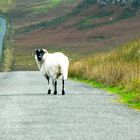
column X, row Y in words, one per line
column 2, row 33
column 84, row 113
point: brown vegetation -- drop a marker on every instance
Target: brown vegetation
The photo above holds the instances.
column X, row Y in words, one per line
column 68, row 38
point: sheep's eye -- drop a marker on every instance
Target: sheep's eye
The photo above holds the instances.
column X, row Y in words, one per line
column 42, row 52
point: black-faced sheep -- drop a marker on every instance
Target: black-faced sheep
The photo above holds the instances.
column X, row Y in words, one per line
column 52, row 66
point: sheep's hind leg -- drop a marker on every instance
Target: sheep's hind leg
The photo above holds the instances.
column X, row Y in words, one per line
column 49, row 91
column 55, row 86
column 63, row 87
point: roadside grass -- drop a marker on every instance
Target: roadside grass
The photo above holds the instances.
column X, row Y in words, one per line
column 129, row 98
column 117, row 71
column 7, row 60
column 25, row 62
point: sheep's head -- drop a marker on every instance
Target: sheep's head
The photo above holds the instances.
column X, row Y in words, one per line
column 40, row 54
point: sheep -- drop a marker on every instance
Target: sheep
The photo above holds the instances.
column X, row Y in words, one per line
column 52, row 66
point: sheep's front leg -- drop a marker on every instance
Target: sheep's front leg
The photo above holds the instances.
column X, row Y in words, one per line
column 55, row 86
column 49, row 90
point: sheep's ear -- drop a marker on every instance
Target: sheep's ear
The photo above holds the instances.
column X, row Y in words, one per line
column 33, row 52
column 45, row 50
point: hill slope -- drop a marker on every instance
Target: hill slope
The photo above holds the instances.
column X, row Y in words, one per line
column 78, row 28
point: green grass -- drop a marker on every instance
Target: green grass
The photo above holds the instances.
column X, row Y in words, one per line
column 47, row 5
column 124, row 97
column 25, row 62
column 86, row 23
column 127, row 13
column 7, row 60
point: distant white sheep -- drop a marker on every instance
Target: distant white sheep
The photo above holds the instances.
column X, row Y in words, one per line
column 52, row 66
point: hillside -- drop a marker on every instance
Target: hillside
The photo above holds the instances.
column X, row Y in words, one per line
column 78, row 28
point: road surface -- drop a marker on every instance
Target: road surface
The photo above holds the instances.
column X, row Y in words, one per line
column 2, row 33
column 84, row 113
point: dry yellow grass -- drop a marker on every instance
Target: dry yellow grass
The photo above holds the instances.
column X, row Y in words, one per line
column 120, row 68
column 7, row 59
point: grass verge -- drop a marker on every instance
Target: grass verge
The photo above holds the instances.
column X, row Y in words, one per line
column 8, row 54
column 25, row 62
column 128, row 98
column 7, row 61
column 118, row 70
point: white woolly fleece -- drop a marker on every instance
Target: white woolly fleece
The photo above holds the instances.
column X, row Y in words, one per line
column 54, row 65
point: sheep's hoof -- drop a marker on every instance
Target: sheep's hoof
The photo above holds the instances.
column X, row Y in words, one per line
column 55, row 92
column 49, row 91
column 63, row 92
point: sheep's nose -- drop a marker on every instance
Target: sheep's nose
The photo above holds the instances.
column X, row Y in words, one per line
column 39, row 57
